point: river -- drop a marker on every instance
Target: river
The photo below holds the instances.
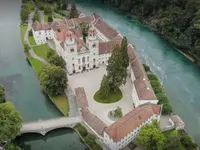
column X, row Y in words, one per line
column 180, row 78
column 23, row 87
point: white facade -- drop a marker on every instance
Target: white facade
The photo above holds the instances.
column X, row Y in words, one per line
column 116, row 145
column 42, row 36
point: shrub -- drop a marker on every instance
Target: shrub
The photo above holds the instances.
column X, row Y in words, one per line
column 167, row 109
column 162, row 98
column 118, row 112
column 50, row 19
column 26, row 48
column 30, row 33
column 155, row 83
column 90, row 139
column 187, row 142
column 152, row 76
column 146, row 68
column 50, row 53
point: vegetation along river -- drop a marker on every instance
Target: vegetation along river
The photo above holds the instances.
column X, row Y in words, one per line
column 180, row 78
column 23, row 87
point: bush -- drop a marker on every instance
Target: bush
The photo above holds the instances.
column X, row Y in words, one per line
column 90, row 139
column 118, row 112
column 26, row 48
column 167, row 109
column 152, row 76
column 155, row 83
column 30, row 33
column 50, row 19
column 48, row 10
column 50, row 53
column 162, row 98
column 187, row 142
column 81, row 129
column 146, row 68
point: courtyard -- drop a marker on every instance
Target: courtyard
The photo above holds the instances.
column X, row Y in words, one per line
column 91, row 81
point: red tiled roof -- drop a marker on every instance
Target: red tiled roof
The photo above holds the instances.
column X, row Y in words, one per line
column 105, row 29
column 80, row 44
column 37, row 26
column 83, row 19
column 132, row 120
column 81, row 98
column 107, row 47
column 93, row 121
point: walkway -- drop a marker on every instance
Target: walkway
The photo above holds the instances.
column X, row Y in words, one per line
column 31, row 52
column 44, row 126
column 73, row 110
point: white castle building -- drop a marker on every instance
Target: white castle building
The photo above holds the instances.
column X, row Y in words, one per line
column 82, row 56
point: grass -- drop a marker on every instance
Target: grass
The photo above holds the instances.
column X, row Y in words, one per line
column 62, row 103
column 112, row 98
column 36, row 64
column 42, row 50
column 23, row 29
column 83, row 132
column 58, row 16
column 31, row 40
column 46, row 18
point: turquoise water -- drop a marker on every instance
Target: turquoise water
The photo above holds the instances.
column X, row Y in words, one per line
column 180, row 78
column 23, row 87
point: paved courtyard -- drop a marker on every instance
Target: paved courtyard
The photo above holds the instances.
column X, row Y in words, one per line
column 91, row 82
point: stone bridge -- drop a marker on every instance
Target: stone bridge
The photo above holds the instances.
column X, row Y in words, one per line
column 44, row 126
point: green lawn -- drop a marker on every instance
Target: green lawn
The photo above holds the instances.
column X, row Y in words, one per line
column 31, row 40
column 113, row 97
column 62, row 103
column 58, row 16
column 23, row 29
column 46, row 18
column 36, row 64
column 42, row 50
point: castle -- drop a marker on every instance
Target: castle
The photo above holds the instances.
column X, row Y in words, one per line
column 82, row 56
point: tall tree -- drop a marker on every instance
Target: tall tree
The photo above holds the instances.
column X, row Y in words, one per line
column 116, row 71
column 10, row 122
column 53, row 80
column 2, row 95
column 84, row 28
column 73, row 12
column 104, row 89
column 151, row 137
column 124, row 51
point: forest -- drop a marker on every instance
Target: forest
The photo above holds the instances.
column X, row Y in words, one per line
column 178, row 21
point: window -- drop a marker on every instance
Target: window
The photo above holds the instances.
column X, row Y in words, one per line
column 79, row 60
column 94, row 45
column 72, row 50
column 88, row 66
column 72, row 58
column 93, row 53
column 79, row 67
column 88, row 58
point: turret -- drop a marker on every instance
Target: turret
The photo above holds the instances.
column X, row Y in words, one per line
column 70, row 39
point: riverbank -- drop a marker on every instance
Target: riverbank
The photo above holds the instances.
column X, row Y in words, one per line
column 185, row 140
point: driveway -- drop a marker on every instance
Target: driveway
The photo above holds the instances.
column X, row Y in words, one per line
column 91, row 82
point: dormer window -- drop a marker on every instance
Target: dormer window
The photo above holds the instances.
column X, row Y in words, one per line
column 72, row 50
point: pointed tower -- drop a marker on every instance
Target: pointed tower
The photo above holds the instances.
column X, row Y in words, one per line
column 70, row 52
column 93, row 45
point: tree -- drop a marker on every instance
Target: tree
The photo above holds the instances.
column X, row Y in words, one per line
column 30, row 33
column 53, row 80
column 118, row 112
column 57, row 60
column 50, row 18
column 187, row 142
column 124, row 51
column 152, row 76
column 48, row 10
column 2, row 95
column 172, row 142
column 10, row 120
column 11, row 146
column 167, row 109
column 26, row 48
column 146, row 68
column 104, row 89
column 84, row 28
column 73, row 12
column 151, row 137
column 162, row 98
column 24, row 13
column 54, row 59
column 116, row 71
column 90, row 139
